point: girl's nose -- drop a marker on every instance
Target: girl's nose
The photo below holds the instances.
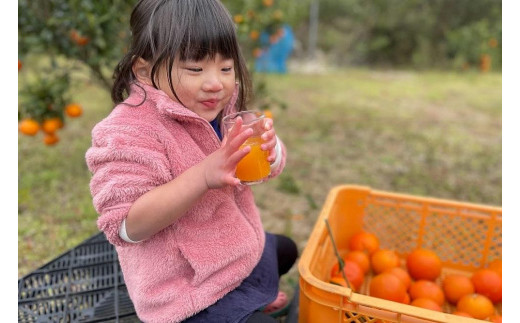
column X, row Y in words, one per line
column 212, row 84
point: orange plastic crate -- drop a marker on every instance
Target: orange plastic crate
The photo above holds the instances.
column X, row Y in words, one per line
column 465, row 236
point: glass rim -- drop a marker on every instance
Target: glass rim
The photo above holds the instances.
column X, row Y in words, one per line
column 230, row 118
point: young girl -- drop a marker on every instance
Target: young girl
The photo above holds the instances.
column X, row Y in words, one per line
column 189, row 237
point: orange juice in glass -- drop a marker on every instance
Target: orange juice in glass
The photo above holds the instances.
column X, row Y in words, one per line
column 254, row 167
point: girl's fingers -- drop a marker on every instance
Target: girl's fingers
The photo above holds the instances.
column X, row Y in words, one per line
column 238, row 135
column 240, row 139
column 268, row 135
column 269, row 144
column 269, row 139
column 231, row 180
column 268, row 124
column 238, row 155
column 272, row 155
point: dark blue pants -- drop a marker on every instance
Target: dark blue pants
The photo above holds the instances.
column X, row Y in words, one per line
column 259, row 288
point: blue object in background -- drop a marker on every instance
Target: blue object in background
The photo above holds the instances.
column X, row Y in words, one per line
column 274, row 56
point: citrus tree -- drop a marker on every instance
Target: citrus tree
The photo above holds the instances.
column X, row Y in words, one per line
column 261, row 16
column 259, row 25
column 69, row 35
column 65, row 36
column 477, row 45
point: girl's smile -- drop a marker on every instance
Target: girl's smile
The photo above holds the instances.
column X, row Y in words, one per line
column 211, row 103
column 204, row 87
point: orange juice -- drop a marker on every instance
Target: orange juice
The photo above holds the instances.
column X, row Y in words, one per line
column 254, row 166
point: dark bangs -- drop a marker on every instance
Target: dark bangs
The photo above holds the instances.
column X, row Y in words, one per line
column 211, row 32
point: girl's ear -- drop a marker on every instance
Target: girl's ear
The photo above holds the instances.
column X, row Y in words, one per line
column 142, row 71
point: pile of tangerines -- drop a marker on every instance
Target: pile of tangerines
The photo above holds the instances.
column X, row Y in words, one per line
column 418, row 281
column 49, row 125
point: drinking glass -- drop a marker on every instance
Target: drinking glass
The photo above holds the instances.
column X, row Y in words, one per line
column 254, row 168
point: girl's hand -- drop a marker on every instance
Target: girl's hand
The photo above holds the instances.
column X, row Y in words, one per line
column 269, row 138
column 219, row 167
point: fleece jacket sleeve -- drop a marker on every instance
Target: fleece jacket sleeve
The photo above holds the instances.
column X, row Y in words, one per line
column 126, row 161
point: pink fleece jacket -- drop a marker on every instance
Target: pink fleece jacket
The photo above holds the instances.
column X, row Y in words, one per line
column 206, row 253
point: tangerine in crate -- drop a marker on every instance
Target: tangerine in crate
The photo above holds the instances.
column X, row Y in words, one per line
column 476, row 305
column 423, row 264
column 384, row 259
column 427, row 289
column 402, row 274
column 488, row 283
column 352, row 271
column 359, row 257
column 364, row 241
column 338, row 280
column 459, row 313
column 455, row 286
column 388, row 286
column 426, row 303
column 464, row 236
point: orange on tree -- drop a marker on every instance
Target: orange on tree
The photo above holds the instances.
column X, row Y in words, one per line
column 73, row 110
column 82, row 40
column 476, row 305
column 455, row 286
column 388, row 286
column 402, row 274
column 267, row 3
column 238, row 18
column 353, row 272
column 50, row 139
column 426, row 289
column 254, row 34
column 426, row 303
column 488, row 283
column 423, row 264
column 73, row 34
column 257, row 52
column 51, row 125
column 77, row 38
column 485, row 62
column 359, row 257
column 29, row 127
column 364, row 241
column 384, row 259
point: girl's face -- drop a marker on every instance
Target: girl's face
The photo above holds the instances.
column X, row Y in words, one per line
column 204, row 87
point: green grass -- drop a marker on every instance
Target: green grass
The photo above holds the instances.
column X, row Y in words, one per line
column 435, row 134
column 431, row 133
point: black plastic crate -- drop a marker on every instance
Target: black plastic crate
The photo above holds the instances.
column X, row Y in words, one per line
column 85, row 284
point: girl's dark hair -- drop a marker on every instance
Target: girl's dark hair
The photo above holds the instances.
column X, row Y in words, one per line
column 192, row 29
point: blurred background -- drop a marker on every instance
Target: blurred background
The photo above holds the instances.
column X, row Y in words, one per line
column 398, row 95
